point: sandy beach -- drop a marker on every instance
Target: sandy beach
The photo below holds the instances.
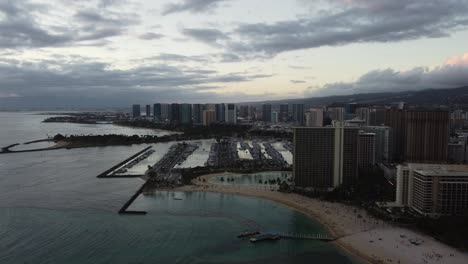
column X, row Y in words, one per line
column 358, row 233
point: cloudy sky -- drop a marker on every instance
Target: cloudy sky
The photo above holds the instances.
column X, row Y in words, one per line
column 118, row 52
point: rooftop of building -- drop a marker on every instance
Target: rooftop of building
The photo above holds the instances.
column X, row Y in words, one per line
column 443, row 172
column 429, row 169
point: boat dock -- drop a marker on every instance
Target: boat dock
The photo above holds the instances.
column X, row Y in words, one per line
column 107, row 172
column 320, row 237
column 265, row 236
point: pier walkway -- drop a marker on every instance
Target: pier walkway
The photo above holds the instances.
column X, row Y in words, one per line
column 320, row 237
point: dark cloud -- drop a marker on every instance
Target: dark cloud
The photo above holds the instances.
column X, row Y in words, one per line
column 295, row 67
column 151, row 36
column 106, row 3
column 21, row 26
column 180, row 58
column 194, row 6
column 297, row 81
column 105, row 18
column 209, row 36
column 389, row 80
column 357, row 21
column 77, row 77
column 229, row 57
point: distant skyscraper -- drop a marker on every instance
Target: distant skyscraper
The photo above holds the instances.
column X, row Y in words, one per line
column 185, row 114
column 383, row 146
column 351, row 108
column 366, row 151
column 197, row 113
column 231, row 114
column 363, row 114
column 419, row 136
column 165, row 112
column 136, row 110
column 337, row 113
column 148, row 110
column 157, row 112
column 377, row 117
column 427, row 136
column 274, row 117
column 298, row 114
column 284, row 113
column 314, row 118
column 266, row 112
column 220, row 112
column 251, row 115
column 244, row 111
column 175, row 113
column 395, row 119
column 209, row 117
column 325, row 157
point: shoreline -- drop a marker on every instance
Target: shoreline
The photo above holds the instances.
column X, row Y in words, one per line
column 358, row 234
column 58, row 145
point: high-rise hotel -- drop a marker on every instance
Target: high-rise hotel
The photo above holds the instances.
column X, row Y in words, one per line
column 325, row 157
column 419, row 135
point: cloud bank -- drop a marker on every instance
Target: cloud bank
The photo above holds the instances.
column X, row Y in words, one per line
column 452, row 74
column 346, row 22
column 194, row 6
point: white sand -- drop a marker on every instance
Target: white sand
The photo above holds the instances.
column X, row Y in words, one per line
column 373, row 240
column 393, row 245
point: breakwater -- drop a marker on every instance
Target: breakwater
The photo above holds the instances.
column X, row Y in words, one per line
column 105, row 174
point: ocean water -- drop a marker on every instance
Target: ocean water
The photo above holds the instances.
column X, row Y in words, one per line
column 53, row 209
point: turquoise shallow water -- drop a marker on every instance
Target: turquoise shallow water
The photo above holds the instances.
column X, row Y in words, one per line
column 53, row 209
column 202, row 228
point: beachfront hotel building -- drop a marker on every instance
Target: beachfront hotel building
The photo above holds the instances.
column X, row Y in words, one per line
column 325, row 157
column 366, row 151
column 433, row 189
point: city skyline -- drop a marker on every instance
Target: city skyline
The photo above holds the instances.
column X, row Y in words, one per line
column 220, row 50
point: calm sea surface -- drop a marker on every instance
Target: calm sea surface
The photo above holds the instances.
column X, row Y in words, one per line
column 53, row 209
